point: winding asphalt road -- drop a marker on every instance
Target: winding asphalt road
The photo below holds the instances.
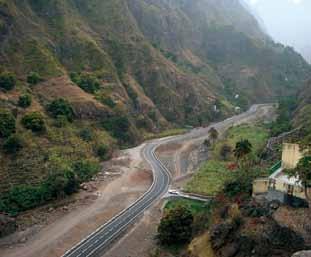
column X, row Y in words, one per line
column 102, row 238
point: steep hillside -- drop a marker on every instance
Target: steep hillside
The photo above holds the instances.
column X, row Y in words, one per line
column 80, row 78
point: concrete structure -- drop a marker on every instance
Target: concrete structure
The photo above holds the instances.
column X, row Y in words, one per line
column 279, row 186
column 291, row 155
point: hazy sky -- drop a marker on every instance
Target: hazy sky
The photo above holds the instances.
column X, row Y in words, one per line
column 287, row 21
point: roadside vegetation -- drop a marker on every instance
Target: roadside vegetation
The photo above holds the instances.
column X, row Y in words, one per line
column 232, row 157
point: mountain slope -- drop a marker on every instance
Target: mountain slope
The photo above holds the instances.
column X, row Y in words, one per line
column 124, row 68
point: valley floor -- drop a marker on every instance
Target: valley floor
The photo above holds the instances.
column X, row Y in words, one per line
column 132, row 178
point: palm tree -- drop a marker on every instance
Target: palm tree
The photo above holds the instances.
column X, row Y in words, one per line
column 242, row 148
column 213, row 133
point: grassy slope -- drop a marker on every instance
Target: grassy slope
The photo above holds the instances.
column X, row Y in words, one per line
column 210, row 179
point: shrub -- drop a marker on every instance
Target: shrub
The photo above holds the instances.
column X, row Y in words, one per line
column 86, row 134
column 176, row 227
column 24, row 101
column 88, row 82
column 61, row 107
column 85, row 169
column 13, row 144
column 61, row 121
column 103, row 152
column 34, row 121
column 7, row 80
column 108, row 101
column 34, row 78
column 241, row 184
column 7, row 123
column 24, row 197
column 118, row 127
column 59, row 184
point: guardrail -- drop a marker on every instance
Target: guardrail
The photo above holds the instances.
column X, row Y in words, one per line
column 275, row 167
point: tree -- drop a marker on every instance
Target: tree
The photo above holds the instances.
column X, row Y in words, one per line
column 13, row 144
column 7, row 123
column 24, row 101
column 242, row 148
column 176, row 227
column 225, row 151
column 213, row 133
column 7, row 80
column 61, row 107
column 33, row 78
column 303, row 172
column 34, row 121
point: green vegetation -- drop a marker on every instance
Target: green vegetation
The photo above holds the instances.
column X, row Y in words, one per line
column 7, row 123
column 303, row 172
column 118, row 127
column 194, row 206
column 215, row 174
column 62, row 181
column 86, row 134
column 24, row 101
column 13, row 144
column 286, row 108
column 88, row 82
column 61, row 107
column 210, row 179
column 7, row 80
column 86, row 169
column 213, row 134
column 256, row 135
column 103, row 152
column 225, row 152
column 34, row 121
column 34, row 78
column 176, row 227
column 242, row 148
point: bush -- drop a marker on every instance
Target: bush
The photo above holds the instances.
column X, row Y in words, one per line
column 118, row 127
column 34, row 121
column 61, row 121
column 86, row 134
column 7, row 80
column 103, row 152
column 13, row 144
column 61, row 107
column 176, row 227
column 7, row 123
column 225, row 152
column 24, row 101
column 24, row 197
column 85, row 169
column 34, row 78
column 88, row 82
column 239, row 185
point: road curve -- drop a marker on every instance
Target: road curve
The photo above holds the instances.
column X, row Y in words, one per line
column 101, row 239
